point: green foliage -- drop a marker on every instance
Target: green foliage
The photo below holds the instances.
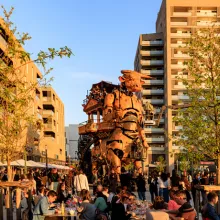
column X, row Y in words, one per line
column 19, row 124
column 200, row 135
column 129, row 167
column 184, row 163
column 161, row 164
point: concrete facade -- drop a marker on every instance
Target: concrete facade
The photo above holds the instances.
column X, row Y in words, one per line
column 72, row 136
column 177, row 20
column 46, row 106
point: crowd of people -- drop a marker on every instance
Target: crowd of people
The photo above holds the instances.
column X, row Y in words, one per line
column 114, row 197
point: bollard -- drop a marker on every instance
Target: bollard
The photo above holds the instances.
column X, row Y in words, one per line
column 18, row 204
column 9, row 205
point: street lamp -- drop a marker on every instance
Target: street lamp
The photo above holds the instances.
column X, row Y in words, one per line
column 46, row 159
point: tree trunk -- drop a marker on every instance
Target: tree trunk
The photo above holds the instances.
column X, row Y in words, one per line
column 9, row 170
column 218, row 171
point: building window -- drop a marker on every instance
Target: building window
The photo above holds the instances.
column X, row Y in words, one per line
column 61, row 151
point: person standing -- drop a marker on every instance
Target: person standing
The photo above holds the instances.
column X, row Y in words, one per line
column 113, row 180
column 163, row 183
column 125, row 179
column 69, row 180
column 53, row 178
column 204, row 181
column 195, row 183
column 141, row 187
column 37, row 178
column 81, row 182
column 95, row 180
column 153, row 183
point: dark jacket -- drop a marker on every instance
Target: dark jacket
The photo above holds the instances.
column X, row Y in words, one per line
column 112, row 182
column 141, row 184
column 118, row 212
column 62, row 197
column 153, row 182
column 125, row 179
column 210, row 212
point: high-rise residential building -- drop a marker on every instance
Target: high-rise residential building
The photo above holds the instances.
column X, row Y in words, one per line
column 177, row 20
column 47, row 107
column 72, row 137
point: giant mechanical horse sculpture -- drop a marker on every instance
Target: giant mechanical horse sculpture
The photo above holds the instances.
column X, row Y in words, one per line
column 120, row 133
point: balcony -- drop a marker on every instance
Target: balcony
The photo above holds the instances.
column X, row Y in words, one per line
column 182, row 14
column 178, row 66
column 49, row 127
column 155, row 101
column 151, row 62
column 153, row 72
column 156, row 149
column 157, row 110
column 181, row 55
column 179, row 77
column 180, row 35
column 179, row 87
column 152, row 53
column 206, row 23
column 153, row 92
column 178, row 23
column 153, row 82
column 178, row 45
column 152, row 43
column 180, row 97
column 154, row 130
column 155, row 139
column 3, row 41
column 175, row 147
column 161, row 120
column 39, row 116
column 47, row 99
column 206, row 14
column 48, row 113
column 177, row 128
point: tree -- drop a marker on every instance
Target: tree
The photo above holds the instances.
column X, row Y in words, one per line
column 184, row 163
column 200, row 133
column 17, row 92
column 161, row 164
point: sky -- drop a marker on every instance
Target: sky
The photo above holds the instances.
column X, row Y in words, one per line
column 103, row 35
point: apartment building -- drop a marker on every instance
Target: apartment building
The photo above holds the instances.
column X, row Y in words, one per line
column 149, row 60
column 47, row 107
column 177, row 20
column 53, row 139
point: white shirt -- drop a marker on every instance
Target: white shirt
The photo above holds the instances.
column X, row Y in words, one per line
column 162, row 184
column 81, row 182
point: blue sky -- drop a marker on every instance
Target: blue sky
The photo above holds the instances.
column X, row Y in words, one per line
column 103, row 35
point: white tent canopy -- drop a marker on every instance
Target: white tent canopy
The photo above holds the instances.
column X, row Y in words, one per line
column 33, row 164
